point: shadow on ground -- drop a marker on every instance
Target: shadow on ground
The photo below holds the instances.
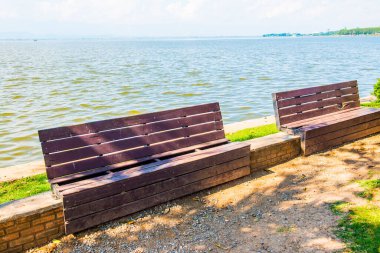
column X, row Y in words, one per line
column 284, row 209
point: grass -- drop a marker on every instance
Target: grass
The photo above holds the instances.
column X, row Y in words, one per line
column 369, row 188
column 373, row 104
column 23, row 188
column 252, row 133
column 359, row 226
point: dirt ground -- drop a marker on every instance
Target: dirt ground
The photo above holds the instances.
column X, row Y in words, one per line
column 282, row 209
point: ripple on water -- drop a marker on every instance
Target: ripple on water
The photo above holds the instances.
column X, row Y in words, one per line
column 194, row 72
column 190, row 94
column 85, row 105
column 201, row 84
column 133, row 112
column 16, row 79
column 264, row 78
column 28, row 137
column 101, row 107
column 17, row 96
column 245, row 108
column 169, row 92
column 78, row 80
column 61, row 109
column 7, row 114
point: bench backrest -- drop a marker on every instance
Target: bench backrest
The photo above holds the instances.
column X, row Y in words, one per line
column 76, row 151
column 295, row 105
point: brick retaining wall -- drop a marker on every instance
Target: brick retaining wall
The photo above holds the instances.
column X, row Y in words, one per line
column 30, row 222
column 273, row 149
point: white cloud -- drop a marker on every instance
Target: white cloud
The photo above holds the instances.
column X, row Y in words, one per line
column 190, row 17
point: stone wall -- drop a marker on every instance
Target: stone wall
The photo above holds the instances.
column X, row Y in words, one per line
column 30, row 222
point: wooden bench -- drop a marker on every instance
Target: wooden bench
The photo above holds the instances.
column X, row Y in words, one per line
column 108, row 169
column 325, row 116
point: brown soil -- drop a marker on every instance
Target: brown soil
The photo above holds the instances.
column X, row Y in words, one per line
column 283, row 209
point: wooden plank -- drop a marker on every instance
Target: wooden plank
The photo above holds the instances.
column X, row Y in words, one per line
column 316, row 89
column 124, row 144
column 314, row 113
column 344, row 122
column 342, row 132
column 97, row 126
column 153, row 163
column 147, row 151
column 146, row 191
column 316, row 97
column 276, row 115
column 146, row 174
column 318, row 119
column 143, row 175
column 338, row 141
column 318, row 104
column 127, row 132
column 120, row 211
column 135, row 162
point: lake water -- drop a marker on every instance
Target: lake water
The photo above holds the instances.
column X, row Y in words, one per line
column 49, row 83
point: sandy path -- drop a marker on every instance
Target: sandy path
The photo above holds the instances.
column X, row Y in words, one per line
column 284, row 209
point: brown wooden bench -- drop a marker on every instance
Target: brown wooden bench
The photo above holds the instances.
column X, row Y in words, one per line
column 325, row 116
column 108, row 169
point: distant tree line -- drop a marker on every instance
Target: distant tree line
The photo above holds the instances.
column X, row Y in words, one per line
column 359, row 31
column 345, row 31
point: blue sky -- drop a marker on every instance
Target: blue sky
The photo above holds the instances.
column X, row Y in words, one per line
column 183, row 17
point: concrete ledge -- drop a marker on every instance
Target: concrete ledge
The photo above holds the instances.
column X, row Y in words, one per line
column 234, row 127
column 21, row 171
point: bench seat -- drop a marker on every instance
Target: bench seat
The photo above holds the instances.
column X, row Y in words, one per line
column 332, row 115
column 97, row 200
column 109, row 170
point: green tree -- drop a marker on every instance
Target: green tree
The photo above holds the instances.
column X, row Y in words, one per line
column 376, row 90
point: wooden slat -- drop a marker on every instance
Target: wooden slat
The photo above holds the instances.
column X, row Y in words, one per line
column 325, row 128
column 338, row 141
column 316, row 89
column 127, row 132
column 177, row 152
column 101, row 161
column 332, row 118
column 124, row 144
column 316, row 97
column 146, row 191
column 155, row 162
column 94, row 127
column 315, row 113
column 107, row 215
column 343, row 131
column 296, row 105
column 318, row 119
column 143, row 175
column 318, row 104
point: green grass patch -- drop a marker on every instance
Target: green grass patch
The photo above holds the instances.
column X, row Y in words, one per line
column 252, row 133
column 369, row 187
column 339, row 207
column 359, row 228
column 23, row 188
column 373, row 104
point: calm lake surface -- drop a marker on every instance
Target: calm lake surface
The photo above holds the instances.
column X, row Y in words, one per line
column 49, row 83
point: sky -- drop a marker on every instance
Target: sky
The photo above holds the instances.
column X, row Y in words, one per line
column 151, row 18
